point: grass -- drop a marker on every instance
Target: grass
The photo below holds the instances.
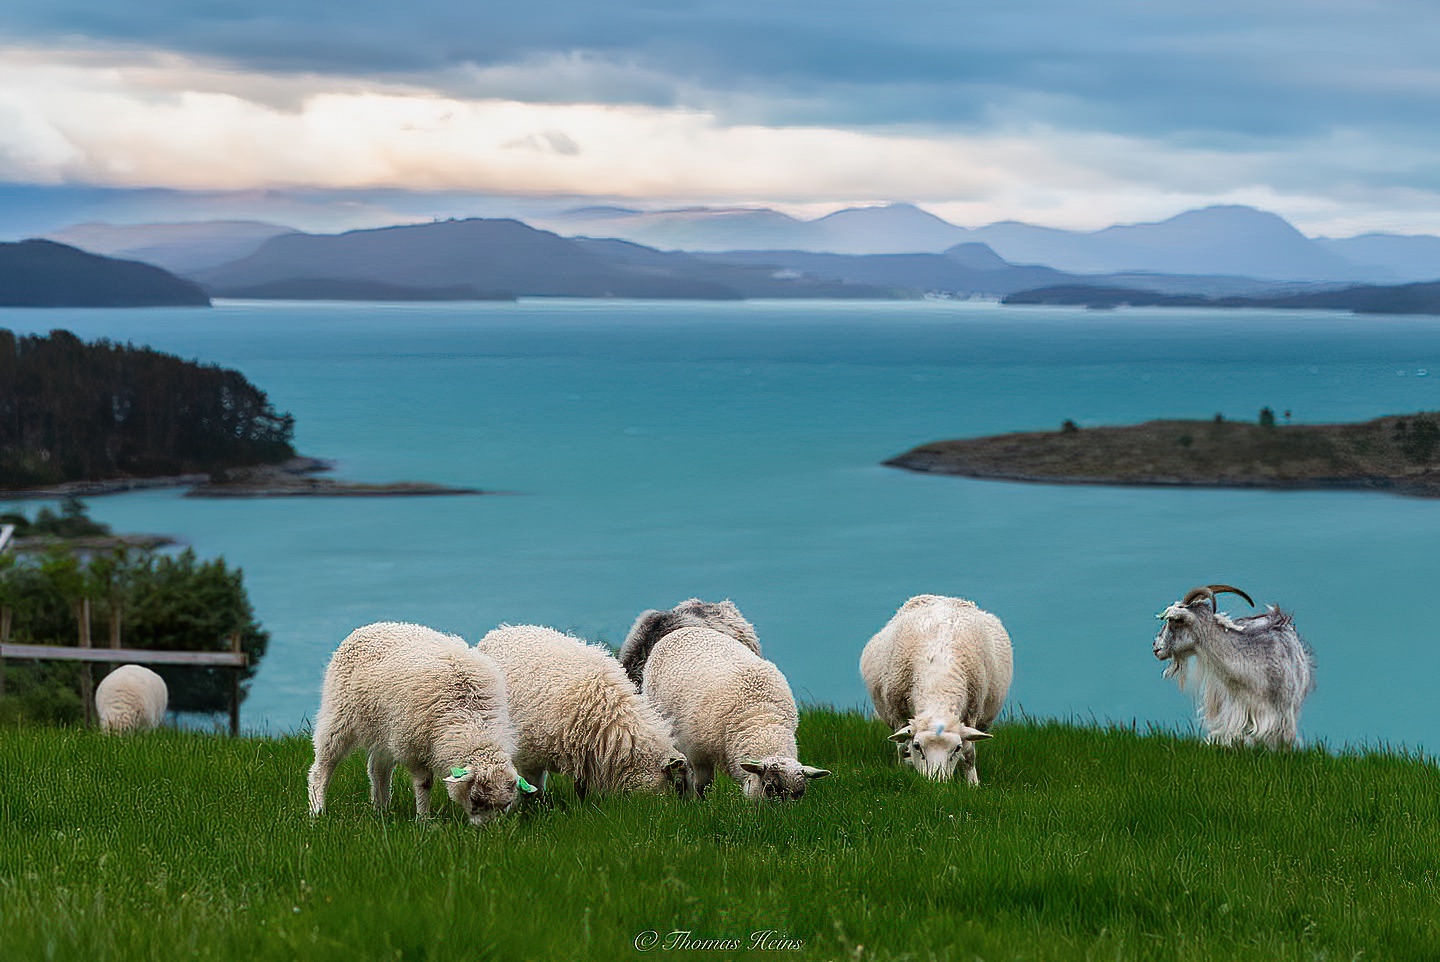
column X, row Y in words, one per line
column 1082, row 844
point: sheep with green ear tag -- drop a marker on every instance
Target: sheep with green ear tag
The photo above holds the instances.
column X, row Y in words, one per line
column 938, row 674
column 730, row 709
column 412, row 695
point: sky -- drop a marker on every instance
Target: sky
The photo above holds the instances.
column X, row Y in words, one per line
column 1054, row 112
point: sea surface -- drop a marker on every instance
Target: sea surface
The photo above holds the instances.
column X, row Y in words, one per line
column 651, row 452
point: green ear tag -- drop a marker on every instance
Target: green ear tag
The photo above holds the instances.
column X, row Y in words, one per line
column 525, row 786
column 459, row 772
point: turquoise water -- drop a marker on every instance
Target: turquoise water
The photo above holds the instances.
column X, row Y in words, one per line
column 654, row 451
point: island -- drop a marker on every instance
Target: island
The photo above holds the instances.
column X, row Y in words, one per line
column 42, row 273
column 85, row 419
column 1395, row 453
column 1420, row 298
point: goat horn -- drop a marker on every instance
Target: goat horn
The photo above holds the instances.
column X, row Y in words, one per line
column 1195, row 594
column 1223, row 589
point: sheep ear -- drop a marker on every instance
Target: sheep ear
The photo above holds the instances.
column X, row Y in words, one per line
column 676, row 763
column 525, row 786
column 809, row 772
column 457, row 775
column 903, row 734
column 973, row 734
column 754, row 768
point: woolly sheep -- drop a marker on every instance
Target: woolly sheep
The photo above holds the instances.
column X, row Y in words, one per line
column 576, row 712
column 131, row 698
column 412, row 695
column 653, row 625
column 1250, row 674
column 938, row 674
column 730, row 709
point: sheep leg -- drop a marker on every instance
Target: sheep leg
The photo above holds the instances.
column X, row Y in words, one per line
column 331, row 747
column 422, row 780
column 381, row 766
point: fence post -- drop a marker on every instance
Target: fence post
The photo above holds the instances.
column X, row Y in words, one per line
column 87, row 679
column 235, row 687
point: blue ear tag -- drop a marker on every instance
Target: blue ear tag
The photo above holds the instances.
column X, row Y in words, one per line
column 525, row 786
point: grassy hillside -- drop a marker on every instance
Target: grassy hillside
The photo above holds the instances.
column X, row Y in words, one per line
column 1081, row 844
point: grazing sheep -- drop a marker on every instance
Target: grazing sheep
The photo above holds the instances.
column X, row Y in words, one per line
column 1250, row 674
column 576, row 712
column 938, row 673
column 730, row 709
column 653, row 625
column 131, row 698
column 426, row 700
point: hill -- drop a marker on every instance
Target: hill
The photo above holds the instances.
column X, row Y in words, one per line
column 497, row 256
column 179, row 248
column 1081, row 843
column 42, row 273
column 1361, row 299
column 1393, row 453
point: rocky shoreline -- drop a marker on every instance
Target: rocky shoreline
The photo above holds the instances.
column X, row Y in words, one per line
column 293, row 478
column 1396, row 454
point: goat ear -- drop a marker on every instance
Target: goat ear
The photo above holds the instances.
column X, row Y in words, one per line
column 973, row 734
column 903, row 734
column 809, row 772
column 754, row 768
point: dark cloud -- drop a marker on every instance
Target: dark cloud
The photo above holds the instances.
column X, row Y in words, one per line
column 1260, row 68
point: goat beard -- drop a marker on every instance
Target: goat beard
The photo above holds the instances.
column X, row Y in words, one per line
column 1178, row 669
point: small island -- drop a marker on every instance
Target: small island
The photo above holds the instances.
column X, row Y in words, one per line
column 86, row 419
column 1395, row 453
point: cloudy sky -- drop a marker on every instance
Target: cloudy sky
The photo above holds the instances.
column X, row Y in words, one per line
column 1051, row 111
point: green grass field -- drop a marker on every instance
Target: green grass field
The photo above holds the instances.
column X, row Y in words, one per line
column 1082, row 844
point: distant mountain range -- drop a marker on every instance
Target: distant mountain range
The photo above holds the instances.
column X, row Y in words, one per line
column 1228, row 240
column 42, row 273
column 179, row 248
column 1360, row 299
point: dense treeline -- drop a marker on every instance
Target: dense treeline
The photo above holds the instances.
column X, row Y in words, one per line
column 72, row 411
column 137, row 599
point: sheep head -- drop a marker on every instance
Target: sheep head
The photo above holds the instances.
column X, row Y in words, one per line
column 1186, row 619
column 777, row 778
column 938, row 750
column 484, row 791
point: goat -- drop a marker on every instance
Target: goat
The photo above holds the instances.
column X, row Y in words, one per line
column 1250, row 675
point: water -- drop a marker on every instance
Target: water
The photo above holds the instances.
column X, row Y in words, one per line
column 655, row 451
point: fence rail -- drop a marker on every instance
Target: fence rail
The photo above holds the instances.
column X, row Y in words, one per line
column 204, row 659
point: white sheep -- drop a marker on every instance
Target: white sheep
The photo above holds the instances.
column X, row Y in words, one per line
column 131, row 698
column 938, row 674
column 730, row 709
column 653, row 625
column 575, row 712
column 412, row 695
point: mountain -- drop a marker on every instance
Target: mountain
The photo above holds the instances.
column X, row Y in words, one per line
column 499, row 257
column 1216, row 240
column 972, row 269
column 42, row 273
column 180, row 248
column 1410, row 257
column 890, row 229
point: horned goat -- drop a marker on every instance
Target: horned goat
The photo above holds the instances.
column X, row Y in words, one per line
column 1249, row 675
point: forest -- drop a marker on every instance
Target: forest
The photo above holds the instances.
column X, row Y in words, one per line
column 77, row 411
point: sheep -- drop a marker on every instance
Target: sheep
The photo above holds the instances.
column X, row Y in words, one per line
column 427, row 700
column 653, row 625
column 938, row 674
column 730, row 708
column 131, row 698
column 577, row 713
column 1250, row 675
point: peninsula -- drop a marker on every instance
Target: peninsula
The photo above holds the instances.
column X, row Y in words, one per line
column 1396, row 453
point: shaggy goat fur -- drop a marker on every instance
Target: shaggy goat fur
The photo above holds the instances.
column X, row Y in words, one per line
column 730, row 709
column 653, row 625
column 426, row 700
column 938, row 674
column 131, row 698
column 1249, row 675
column 576, row 712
